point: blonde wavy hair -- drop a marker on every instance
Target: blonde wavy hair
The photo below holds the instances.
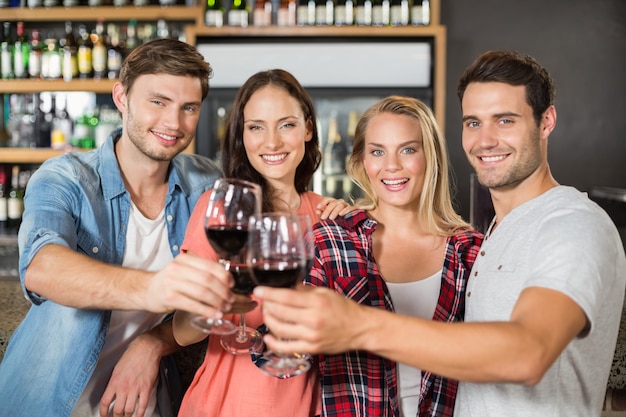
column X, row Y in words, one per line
column 435, row 206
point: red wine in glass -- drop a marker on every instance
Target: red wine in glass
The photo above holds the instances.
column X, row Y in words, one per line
column 279, row 273
column 227, row 240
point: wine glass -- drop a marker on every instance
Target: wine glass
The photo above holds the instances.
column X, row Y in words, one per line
column 231, row 204
column 277, row 258
column 245, row 339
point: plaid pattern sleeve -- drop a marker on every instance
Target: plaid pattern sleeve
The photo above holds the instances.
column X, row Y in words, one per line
column 358, row 383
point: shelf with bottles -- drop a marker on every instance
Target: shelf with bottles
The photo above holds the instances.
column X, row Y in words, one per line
column 193, row 14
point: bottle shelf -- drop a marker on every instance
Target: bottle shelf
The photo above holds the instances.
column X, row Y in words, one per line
column 27, row 155
column 26, row 86
column 87, row 13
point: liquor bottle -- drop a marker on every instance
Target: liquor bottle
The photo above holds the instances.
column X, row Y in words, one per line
column 238, row 13
column 21, row 49
column 85, row 57
column 114, row 52
column 214, row 13
column 62, row 124
column 262, row 14
column 305, row 12
column 15, row 200
column 6, row 53
column 380, row 12
column 420, row 13
column 334, row 159
column 286, row 15
column 51, row 58
column 70, row 54
column 4, row 221
column 399, row 12
column 34, row 54
column 344, row 13
column 324, row 12
column 363, row 13
column 132, row 40
column 43, row 123
column 99, row 51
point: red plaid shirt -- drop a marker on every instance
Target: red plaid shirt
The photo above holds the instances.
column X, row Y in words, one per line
column 359, row 383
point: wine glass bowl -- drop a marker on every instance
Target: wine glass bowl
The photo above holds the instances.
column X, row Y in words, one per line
column 231, row 204
column 277, row 257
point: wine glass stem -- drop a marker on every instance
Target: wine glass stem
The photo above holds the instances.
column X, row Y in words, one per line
column 242, row 336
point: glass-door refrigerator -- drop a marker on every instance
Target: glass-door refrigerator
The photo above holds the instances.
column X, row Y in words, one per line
column 343, row 78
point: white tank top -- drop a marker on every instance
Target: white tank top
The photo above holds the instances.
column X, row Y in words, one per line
column 418, row 299
column 147, row 248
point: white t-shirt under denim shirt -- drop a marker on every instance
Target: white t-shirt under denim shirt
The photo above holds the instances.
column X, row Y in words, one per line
column 147, row 248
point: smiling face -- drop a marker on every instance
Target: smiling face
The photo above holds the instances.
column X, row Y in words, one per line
column 160, row 114
column 501, row 139
column 394, row 159
column 274, row 134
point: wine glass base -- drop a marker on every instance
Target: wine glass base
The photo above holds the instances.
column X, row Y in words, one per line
column 213, row 326
column 283, row 366
column 238, row 343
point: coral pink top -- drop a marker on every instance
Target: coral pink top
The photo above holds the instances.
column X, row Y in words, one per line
column 228, row 385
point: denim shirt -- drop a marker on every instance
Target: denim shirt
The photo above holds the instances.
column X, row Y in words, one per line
column 78, row 200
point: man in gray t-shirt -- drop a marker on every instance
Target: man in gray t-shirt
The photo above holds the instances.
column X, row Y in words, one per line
column 545, row 294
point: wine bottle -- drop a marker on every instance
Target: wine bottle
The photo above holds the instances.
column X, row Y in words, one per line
column 324, row 12
column 21, row 49
column 399, row 12
column 238, row 13
column 286, row 15
column 62, row 124
column 380, row 12
column 363, row 13
column 6, row 53
column 51, row 59
column 344, row 13
column 214, row 14
column 262, row 15
column 85, row 49
column 114, row 52
column 420, row 13
column 99, row 51
column 305, row 12
column 4, row 222
column 34, row 54
column 334, row 159
column 15, row 200
column 70, row 54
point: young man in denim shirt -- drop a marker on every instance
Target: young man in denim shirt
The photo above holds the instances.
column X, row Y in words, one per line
column 99, row 250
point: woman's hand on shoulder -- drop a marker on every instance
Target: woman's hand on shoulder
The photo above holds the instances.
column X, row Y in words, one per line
column 330, row 208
